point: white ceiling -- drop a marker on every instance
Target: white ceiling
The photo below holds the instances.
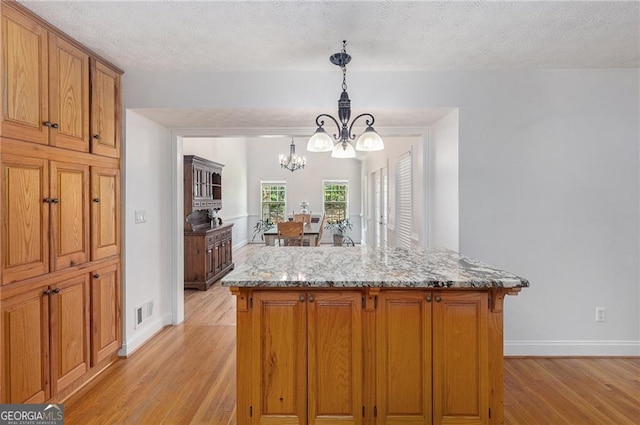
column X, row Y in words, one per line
column 381, row 35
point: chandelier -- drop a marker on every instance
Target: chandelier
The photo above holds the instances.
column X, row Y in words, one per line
column 294, row 161
column 369, row 140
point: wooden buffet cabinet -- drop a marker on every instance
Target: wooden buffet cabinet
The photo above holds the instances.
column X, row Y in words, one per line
column 207, row 245
column 310, row 352
column 60, row 282
column 207, row 256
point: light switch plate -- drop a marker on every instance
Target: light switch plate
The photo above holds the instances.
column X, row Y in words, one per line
column 141, row 216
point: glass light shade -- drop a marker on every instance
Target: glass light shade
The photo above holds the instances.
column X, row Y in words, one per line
column 369, row 141
column 343, row 151
column 320, row 141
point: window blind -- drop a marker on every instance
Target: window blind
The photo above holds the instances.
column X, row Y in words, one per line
column 403, row 201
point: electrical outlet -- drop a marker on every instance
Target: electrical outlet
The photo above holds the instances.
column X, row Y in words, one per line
column 601, row 314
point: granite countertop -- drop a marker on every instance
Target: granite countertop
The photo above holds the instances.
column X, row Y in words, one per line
column 362, row 266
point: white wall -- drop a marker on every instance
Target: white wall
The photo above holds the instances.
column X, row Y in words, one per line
column 548, row 179
column 305, row 184
column 394, row 147
column 232, row 152
column 147, row 176
column 443, row 187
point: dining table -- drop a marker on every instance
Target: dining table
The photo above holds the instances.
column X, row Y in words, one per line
column 311, row 233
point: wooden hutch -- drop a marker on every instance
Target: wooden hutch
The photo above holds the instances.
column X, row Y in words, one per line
column 207, row 242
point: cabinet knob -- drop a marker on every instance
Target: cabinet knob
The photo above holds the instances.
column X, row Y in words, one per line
column 47, row 291
column 96, row 200
column 50, row 124
column 56, row 290
column 96, row 136
column 55, row 201
column 429, row 298
column 301, row 298
column 96, row 275
column 438, row 299
column 311, row 298
column 47, row 200
column 54, row 125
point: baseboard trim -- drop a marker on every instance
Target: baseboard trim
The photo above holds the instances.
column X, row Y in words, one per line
column 144, row 334
column 240, row 244
column 571, row 348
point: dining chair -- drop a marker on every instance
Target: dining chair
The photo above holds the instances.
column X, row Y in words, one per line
column 290, row 233
column 305, row 218
column 319, row 240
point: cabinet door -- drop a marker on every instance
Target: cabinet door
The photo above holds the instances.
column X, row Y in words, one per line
column 105, row 313
column 335, row 358
column 105, row 110
column 460, row 362
column 404, row 358
column 279, row 369
column 25, row 348
column 69, row 312
column 25, row 218
column 68, row 95
column 25, row 78
column 210, row 261
column 105, row 212
column 69, row 214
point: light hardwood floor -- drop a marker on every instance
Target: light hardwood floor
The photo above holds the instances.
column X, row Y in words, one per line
column 186, row 375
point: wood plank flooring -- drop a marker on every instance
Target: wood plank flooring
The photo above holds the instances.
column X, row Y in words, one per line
column 186, row 375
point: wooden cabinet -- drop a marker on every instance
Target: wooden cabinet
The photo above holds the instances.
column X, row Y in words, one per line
column 202, row 189
column 404, row 364
column 400, row 356
column 60, row 203
column 47, row 85
column 45, row 214
column 47, row 336
column 106, row 335
column 432, row 358
column 25, row 348
column 207, row 256
column 308, row 349
column 105, row 212
column 105, row 110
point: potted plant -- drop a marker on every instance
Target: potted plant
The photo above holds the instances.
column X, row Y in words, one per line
column 261, row 227
column 338, row 228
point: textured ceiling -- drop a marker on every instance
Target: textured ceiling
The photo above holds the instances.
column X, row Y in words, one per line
column 382, row 35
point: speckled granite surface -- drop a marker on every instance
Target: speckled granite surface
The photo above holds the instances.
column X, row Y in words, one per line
column 329, row 266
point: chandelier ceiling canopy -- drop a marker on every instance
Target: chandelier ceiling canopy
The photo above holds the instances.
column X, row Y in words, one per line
column 368, row 141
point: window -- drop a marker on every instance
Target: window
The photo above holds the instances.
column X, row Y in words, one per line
column 403, row 201
column 335, row 195
column 274, row 195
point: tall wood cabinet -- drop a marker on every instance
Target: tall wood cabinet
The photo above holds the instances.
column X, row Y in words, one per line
column 207, row 245
column 60, row 202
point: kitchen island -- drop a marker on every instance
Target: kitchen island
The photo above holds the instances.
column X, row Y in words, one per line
column 358, row 335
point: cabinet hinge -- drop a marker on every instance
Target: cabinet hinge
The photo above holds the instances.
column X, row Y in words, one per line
column 250, row 302
column 375, row 411
column 250, row 411
column 375, row 302
column 363, row 304
column 363, row 411
column 489, row 413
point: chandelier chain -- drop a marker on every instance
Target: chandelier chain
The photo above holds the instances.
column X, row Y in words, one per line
column 344, row 66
